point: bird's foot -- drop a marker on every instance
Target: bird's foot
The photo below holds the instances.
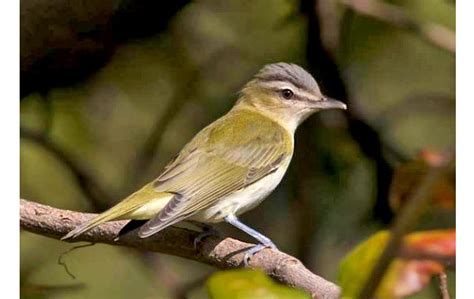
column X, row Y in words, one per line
column 257, row 248
column 207, row 232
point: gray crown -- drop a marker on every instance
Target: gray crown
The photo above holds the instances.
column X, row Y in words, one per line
column 288, row 72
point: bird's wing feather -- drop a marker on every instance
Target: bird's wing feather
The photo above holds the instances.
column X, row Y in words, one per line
column 219, row 161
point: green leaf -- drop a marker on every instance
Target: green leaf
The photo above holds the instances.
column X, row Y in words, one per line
column 251, row 284
column 405, row 276
column 355, row 267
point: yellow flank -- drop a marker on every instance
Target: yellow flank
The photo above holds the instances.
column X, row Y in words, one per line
column 148, row 201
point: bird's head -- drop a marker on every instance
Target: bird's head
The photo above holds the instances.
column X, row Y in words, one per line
column 287, row 93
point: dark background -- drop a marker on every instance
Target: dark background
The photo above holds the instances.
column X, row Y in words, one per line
column 111, row 90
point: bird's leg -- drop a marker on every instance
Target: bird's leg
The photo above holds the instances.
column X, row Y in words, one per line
column 207, row 231
column 264, row 240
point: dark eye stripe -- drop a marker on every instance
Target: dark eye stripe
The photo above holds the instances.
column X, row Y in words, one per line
column 300, row 98
column 296, row 96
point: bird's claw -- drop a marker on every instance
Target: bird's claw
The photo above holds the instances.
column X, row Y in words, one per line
column 257, row 248
column 207, row 233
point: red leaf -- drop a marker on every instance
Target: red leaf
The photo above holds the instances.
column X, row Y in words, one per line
column 438, row 242
column 408, row 176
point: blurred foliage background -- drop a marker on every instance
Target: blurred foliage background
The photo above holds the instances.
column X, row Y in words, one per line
column 111, row 90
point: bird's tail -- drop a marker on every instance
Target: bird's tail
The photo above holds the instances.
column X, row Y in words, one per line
column 108, row 215
column 133, row 207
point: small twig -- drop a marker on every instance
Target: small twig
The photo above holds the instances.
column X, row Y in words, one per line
column 402, row 225
column 62, row 263
column 91, row 189
column 447, row 261
column 443, row 286
column 435, row 34
column 223, row 253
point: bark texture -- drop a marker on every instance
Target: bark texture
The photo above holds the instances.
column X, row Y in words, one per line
column 223, row 253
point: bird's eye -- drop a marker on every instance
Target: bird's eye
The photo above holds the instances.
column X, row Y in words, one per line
column 287, row 93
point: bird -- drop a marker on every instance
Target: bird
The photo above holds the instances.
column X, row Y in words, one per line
column 231, row 165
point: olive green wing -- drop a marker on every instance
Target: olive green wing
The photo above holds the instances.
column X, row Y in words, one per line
column 219, row 161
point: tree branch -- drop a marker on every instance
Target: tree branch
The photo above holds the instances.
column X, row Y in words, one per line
column 436, row 34
column 222, row 253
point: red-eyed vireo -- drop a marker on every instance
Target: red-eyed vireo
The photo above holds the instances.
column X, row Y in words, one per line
column 230, row 166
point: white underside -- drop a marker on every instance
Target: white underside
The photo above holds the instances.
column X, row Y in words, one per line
column 241, row 201
column 235, row 204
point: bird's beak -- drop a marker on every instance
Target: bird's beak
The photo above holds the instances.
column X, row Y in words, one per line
column 328, row 103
